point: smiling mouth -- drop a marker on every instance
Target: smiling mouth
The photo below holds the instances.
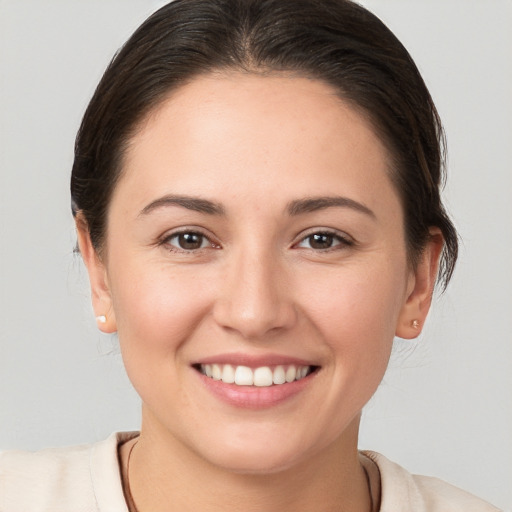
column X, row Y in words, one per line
column 262, row 376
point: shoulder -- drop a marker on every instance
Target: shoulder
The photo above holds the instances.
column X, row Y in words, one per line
column 402, row 491
column 84, row 477
column 44, row 480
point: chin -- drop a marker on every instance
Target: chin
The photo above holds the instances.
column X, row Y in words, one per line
column 254, row 462
column 255, row 454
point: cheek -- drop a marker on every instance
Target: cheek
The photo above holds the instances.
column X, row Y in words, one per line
column 345, row 301
column 356, row 314
column 156, row 313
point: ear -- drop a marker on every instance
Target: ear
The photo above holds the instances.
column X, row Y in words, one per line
column 420, row 288
column 100, row 291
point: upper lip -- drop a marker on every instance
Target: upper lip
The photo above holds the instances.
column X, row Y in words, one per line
column 254, row 361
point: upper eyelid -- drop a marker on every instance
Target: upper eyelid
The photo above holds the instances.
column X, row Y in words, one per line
column 187, row 229
column 344, row 242
column 168, row 235
column 165, row 243
column 327, row 231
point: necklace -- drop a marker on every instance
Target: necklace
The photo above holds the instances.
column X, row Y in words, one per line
column 133, row 508
column 131, row 503
column 369, row 484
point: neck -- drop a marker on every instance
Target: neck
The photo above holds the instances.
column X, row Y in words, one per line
column 165, row 475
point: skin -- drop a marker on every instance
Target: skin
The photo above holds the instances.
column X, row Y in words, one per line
column 253, row 145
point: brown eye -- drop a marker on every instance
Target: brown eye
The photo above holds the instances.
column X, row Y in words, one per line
column 323, row 241
column 189, row 241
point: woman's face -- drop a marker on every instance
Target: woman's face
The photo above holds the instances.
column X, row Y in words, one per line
column 255, row 234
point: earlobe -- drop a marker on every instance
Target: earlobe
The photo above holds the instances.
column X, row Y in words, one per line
column 106, row 324
column 420, row 289
column 100, row 290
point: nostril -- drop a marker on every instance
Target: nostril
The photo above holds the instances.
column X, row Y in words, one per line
column 255, row 322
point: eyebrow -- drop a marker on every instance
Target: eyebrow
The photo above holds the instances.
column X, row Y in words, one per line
column 297, row 207
column 312, row 204
column 196, row 204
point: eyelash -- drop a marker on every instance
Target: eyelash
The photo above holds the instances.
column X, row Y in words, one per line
column 166, row 241
column 341, row 241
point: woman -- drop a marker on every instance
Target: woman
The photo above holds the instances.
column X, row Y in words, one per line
column 256, row 194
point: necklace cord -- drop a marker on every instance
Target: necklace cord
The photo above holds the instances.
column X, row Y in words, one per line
column 131, row 503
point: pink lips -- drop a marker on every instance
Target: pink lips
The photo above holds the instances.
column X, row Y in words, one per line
column 254, row 397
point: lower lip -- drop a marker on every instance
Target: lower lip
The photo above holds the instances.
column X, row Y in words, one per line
column 254, row 397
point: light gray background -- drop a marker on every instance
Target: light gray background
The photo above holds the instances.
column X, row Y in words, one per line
column 445, row 406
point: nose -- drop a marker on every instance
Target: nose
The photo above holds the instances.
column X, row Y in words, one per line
column 255, row 298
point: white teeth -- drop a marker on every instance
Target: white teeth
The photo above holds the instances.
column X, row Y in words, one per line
column 291, row 372
column 301, row 372
column 228, row 374
column 262, row 376
column 279, row 376
column 244, row 376
column 216, row 372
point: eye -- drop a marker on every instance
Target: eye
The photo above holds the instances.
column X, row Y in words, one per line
column 189, row 241
column 323, row 241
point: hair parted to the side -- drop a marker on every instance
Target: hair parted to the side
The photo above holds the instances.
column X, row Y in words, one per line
column 336, row 41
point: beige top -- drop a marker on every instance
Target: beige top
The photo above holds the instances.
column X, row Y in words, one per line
column 87, row 479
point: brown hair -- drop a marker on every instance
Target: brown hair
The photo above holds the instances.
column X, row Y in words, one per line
column 336, row 41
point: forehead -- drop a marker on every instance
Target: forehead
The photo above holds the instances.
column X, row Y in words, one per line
column 258, row 134
column 259, row 103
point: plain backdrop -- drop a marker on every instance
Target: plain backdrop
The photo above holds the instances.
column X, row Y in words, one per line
column 445, row 406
